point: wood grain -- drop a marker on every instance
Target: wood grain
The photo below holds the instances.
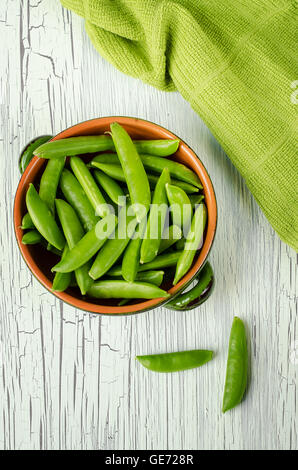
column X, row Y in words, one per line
column 68, row 379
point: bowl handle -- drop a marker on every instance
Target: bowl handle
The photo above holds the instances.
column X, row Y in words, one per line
column 198, row 294
column 27, row 153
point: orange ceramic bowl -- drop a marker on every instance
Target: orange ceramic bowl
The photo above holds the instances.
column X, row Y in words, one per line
column 40, row 261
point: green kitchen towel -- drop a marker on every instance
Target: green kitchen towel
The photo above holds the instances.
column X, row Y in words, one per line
column 235, row 61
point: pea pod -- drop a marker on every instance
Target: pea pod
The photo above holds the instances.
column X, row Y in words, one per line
column 62, row 280
column 116, row 289
column 131, row 257
column 156, row 220
column 153, row 277
column 180, row 244
column 161, row 148
column 31, row 238
column 192, row 242
column 27, row 222
column 166, row 260
column 28, row 152
column 157, row 164
column 236, row 375
column 75, row 195
column 43, row 219
column 74, row 146
column 109, row 163
column 74, row 232
column 90, row 187
column 169, row 237
column 176, row 361
column 98, row 143
column 134, row 172
column 49, row 182
column 196, row 199
column 186, row 300
column 91, row 242
column 188, row 188
column 51, row 248
column 180, row 207
column 114, row 246
column 111, row 187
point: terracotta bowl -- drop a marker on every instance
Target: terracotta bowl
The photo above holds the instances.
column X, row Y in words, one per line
column 40, row 261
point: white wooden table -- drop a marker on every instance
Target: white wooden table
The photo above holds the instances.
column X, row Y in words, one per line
column 69, row 379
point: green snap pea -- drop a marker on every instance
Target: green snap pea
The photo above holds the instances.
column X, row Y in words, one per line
column 180, row 244
column 74, row 232
column 43, row 219
column 157, row 164
column 115, row 246
column 178, row 170
column 183, row 300
column 75, row 195
column 73, row 281
column 169, row 237
column 114, row 170
column 98, row 143
column 74, row 146
column 176, row 361
column 91, row 242
column 111, row 187
column 115, row 289
column 109, row 163
column 28, row 152
column 51, row 248
column 236, row 375
column 188, row 188
column 153, row 277
column 31, row 238
column 90, row 187
column 192, row 242
column 62, row 280
column 134, row 172
column 131, row 257
column 196, row 199
column 165, row 260
column 27, row 222
column 156, row 220
column 180, row 207
column 161, row 148
column 49, row 182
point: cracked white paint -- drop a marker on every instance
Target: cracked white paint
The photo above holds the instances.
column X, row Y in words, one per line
column 69, row 379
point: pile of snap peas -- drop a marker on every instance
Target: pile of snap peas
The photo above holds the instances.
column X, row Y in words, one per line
column 117, row 220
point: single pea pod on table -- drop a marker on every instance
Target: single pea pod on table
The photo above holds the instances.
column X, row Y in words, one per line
column 237, row 363
column 176, row 361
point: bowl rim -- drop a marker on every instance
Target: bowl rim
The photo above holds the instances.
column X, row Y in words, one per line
column 144, row 305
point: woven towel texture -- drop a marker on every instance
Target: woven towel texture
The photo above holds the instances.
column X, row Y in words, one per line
column 235, row 62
